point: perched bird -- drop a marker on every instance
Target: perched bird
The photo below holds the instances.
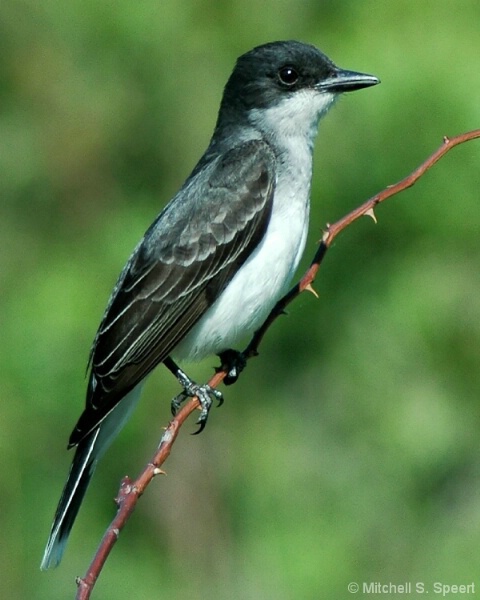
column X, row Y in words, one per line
column 217, row 258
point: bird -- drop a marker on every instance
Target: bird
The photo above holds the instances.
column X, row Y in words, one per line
column 217, row 258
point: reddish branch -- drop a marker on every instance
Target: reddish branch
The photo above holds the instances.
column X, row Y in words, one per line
column 130, row 491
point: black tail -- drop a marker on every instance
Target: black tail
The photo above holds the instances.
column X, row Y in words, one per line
column 81, row 471
column 88, row 453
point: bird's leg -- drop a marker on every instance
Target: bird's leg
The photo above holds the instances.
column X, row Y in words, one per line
column 205, row 393
column 233, row 362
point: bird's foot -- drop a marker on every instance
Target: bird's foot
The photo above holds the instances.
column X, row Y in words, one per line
column 233, row 362
column 205, row 394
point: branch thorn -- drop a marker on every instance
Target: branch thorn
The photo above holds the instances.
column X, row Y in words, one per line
column 310, row 289
column 371, row 214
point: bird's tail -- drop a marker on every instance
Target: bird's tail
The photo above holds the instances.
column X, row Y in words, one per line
column 81, row 471
column 87, row 454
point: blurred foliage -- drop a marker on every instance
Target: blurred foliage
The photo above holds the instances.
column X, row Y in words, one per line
column 349, row 450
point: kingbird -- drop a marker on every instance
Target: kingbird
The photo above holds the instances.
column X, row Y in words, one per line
column 217, row 258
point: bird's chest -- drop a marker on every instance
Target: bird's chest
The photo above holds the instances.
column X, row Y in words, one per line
column 267, row 273
column 282, row 247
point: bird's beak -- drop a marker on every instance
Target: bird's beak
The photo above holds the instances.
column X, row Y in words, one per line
column 346, row 81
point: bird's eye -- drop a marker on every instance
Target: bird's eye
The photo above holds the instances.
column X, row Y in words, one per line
column 288, row 76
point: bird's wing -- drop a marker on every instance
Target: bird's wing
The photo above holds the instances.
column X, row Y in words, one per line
column 185, row 260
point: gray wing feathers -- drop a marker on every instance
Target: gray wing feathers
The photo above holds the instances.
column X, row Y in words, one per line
column 185, row 260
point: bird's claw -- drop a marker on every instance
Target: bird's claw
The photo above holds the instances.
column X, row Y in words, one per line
column 205, row 394
column 233, row 362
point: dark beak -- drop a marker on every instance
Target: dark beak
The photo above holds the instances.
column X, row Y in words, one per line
column 346, row 81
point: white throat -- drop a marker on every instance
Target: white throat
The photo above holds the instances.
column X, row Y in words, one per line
column 294, row 120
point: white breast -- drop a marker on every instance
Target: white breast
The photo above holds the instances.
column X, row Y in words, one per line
column 290, row 127
column 267, row 273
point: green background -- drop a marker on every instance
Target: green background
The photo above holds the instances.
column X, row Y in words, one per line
column 349, row 450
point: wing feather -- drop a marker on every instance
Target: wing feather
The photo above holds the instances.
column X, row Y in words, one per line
column 184, row 262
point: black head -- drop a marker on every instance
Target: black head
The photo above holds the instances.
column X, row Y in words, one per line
column 267, row 74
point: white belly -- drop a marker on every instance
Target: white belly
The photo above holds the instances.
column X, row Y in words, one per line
column 261, row 281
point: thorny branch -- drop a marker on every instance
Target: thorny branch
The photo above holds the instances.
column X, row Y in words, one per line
column 130, row 491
